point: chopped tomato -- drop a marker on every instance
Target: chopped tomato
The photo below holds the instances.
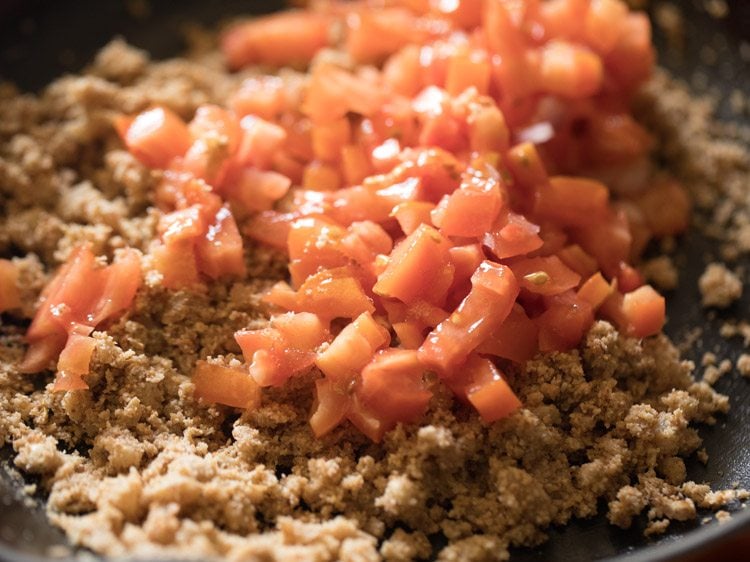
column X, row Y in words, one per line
column 644, row 309
column 419, row 268
column 486, row 389
column 283, row 39
column 470, row 210
column 515, row 339
column 571, row 201
column 225, row 385
column 286, row 348
column 512, row 235
column 564, row 323
column 494, row 290
column 391, row 387
column 257, row 190
column 570, row 70
column 74, row 362
column 259, row 142
column 352, row 348
column 545, row 276
column 262, row 96
column 80, row 297
column 330, row 293
column 156, row 136
column 595, row 290
column 219, row 252
column 330, row 408
column 411, row 214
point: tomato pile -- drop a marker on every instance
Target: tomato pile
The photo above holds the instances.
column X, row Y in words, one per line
column 436, row 181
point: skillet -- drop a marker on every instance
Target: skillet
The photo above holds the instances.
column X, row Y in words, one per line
column 40, row 40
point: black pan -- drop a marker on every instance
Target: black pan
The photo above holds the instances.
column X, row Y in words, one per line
column 40, row 40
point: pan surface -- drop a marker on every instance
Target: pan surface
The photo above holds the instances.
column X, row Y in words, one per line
column 40, row 40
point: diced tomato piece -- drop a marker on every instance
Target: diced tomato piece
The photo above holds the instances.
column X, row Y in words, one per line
column 219, row 252
column 333, row 92
column 214, row 122
column 512, row 235
column 515, row 339
column 329, row 138
column 355, row 164
column 571, row 201
column 302, row 330
column 225, row 385
column 258, row 190
column 121, row 283
column 468, row 68
column 391, row 387
column 471, row 210
column 283, row 350
column 419, row 268
column 485, row 388
column 10, row 296
column 156, row 136
column 283, row 39
column 595, row 290
column 79, row 297
column 262, row 96
column 607, row 239
column 545, row 275
column 604, row 23
column 570, row 70
column 563, row 18
column 372, row 35
column 465, row 259
column 464, row 13
column 352, row 348
column 578, row 260
column 334, row 293
column 330, row 408
column 314, row 243
column 42, row 351
column 402, row 71
column 628, row 278
column 631, row 60
column 488, row 130
column 183, row 224
column 74, row 362
column 321, row 177
column 494, row 290
column 526, row 166
column 564, row 323
column 177, row 264
column 410, row 334
column 645, row 311
column 270, row 227
column 259, row 143
column 365, row 421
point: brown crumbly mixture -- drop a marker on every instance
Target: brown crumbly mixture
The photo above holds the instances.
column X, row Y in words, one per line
column 135, row 466
column 661, row 271
column 719, row 286
column 743, row 365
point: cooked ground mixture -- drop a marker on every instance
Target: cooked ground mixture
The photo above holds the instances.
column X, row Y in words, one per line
column 136, row 466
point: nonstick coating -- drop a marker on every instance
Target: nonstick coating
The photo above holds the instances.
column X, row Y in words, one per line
column 40, row 40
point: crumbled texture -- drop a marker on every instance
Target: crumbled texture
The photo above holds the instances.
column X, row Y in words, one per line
column 719, row 287
column 743, row 365
column 662, row 272
column 134, row 466
column 713, row 373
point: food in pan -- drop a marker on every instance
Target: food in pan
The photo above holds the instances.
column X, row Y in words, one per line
column 363, row 283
